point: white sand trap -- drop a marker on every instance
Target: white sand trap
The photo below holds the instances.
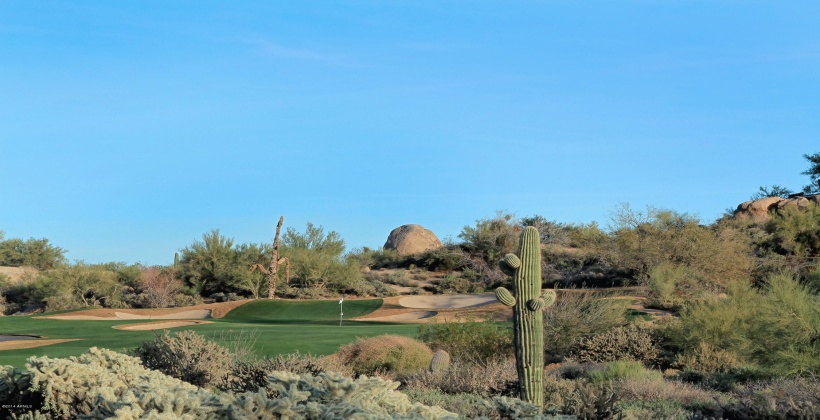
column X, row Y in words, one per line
column 158, row 325
column 29, row 344
column 193, row 314
column 447, row 301
column 409, row 316
column 77, row 317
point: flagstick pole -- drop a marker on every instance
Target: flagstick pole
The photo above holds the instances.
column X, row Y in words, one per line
column 341, row 305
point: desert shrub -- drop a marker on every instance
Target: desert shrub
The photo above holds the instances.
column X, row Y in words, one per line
column 447, row 259
column 187, row 356
column 184, row 299
column 495, row 376
column 376, row 258
column 795, row 231
column 76, row 286
column 453, row 283
column 707, row 359
column 663, row 282
column 104, row 384
column 630, row 342
column 474, row 406
column 812, row 280
column 716, row 257
column 491, row 239
column 390, row 353
column 558, row 392
column 797, row 398
column 467, row 405
column 755, row 325
column 365, row 287
column 469, row 341
column 653, row 388
column 400, row 278
column 654, row 409
column 622, row 370
column 576, row 315
column 592, row 402
column 251, row 374
column 159, row 287
column 100, row 381
column 565, row 267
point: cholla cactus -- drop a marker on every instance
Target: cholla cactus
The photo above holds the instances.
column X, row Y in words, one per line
column 103, row 384
column 528, row 304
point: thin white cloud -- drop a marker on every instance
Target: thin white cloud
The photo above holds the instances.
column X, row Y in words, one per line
column 272, row 49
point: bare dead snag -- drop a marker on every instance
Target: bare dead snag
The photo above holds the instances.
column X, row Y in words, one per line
column 275, row 262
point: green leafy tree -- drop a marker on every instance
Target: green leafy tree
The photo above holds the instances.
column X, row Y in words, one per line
column 714, row 256
column 814, row 174
column 37, row 253
column 75, row 286
column 491, row 239
column 207, row 265
column 551, row 232
column 247, row 278
column 795, row 232
column 773, row 191
column 217, row 265
column 776, row 328
column 316, row 259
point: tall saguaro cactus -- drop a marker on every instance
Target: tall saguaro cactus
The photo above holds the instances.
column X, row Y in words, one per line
column 528, row 304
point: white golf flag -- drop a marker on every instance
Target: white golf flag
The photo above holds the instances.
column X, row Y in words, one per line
column 340, row 300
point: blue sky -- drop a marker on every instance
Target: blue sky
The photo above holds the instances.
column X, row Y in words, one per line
column 130, row 128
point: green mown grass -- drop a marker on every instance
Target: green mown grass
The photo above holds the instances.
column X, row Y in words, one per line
column 278, row 327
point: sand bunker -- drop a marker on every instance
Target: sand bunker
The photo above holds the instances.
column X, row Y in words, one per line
column 446, row 301
column 146, row 326
column 208, row 310
column 28, row 344
column 405, row 317
column 192, row 314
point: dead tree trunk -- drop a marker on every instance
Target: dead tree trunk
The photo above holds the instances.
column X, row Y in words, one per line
column 275, row 262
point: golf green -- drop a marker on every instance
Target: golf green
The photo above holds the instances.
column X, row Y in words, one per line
column 269, row 327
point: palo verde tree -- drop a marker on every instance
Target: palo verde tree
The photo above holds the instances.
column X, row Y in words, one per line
column 37, row 253
column 814, row 174
column 317, row 260
column 491, row 239
column 215, row 264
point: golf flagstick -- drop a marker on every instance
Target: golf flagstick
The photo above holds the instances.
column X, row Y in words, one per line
column 340, row 310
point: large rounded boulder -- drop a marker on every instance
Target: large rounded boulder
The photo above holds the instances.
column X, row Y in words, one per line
column 412, row 239
column 757, row 210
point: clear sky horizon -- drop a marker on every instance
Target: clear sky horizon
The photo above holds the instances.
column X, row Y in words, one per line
column 128, row 129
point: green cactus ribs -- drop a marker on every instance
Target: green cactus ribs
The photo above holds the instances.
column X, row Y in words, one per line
column 528, row 303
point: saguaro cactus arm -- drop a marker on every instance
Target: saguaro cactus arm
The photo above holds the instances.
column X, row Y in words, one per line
column 504, row 296
column 528, row 303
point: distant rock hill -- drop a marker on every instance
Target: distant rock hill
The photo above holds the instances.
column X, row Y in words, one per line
column 412, row 239
column 758, row 210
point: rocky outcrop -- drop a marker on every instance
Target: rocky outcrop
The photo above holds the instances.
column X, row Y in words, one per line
column 412, row 239
column 759, row 210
